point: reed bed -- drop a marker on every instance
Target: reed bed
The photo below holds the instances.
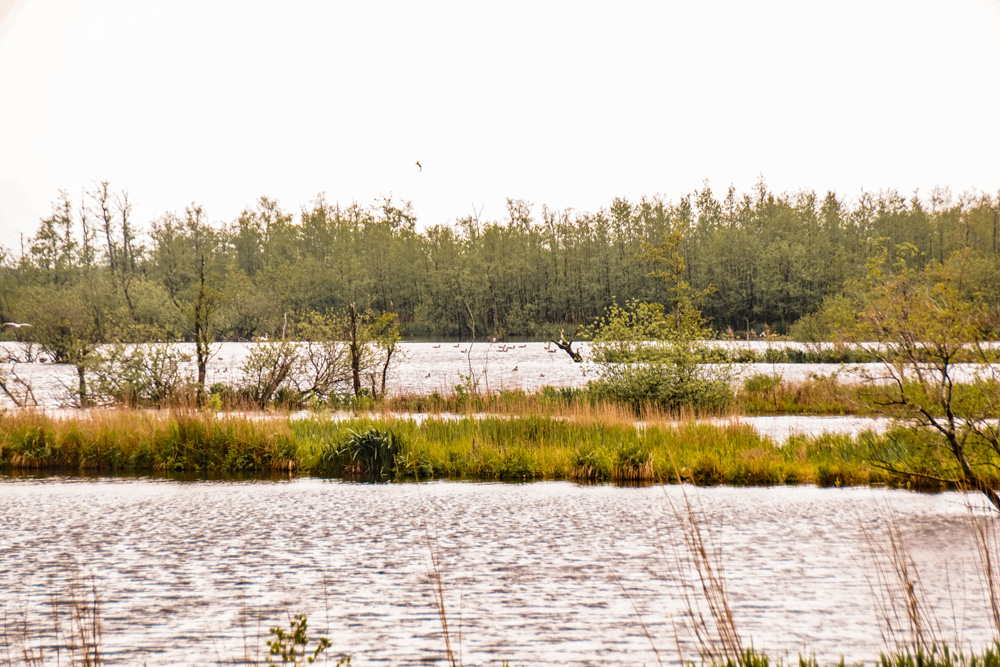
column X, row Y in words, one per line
column 146, row 442
column 584, row 444
column 759, row 394
column 575, row 441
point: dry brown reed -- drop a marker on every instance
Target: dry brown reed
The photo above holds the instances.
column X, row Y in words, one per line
column 987, row 539
column 434, row 570
column 906, row 620
column 710, row 615
column 72, row 634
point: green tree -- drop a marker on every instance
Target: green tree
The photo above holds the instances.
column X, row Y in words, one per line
column 653, row 357
column 924, row 325
column 190, row 265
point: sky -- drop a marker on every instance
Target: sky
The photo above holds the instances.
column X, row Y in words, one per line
column 566, row 104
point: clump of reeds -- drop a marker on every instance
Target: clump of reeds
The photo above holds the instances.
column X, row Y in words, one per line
column 371, row 452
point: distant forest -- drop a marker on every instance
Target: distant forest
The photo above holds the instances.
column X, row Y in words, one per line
column 768, row 258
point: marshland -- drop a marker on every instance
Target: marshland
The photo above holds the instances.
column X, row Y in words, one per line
column 677, row 476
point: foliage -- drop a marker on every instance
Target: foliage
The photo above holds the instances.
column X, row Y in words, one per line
column 292, row 647
column 334, row 350
column 371, row 452
column 772, row 259
column 923, row 323
column 139, row 375
column 267, row 368
column 649, row 357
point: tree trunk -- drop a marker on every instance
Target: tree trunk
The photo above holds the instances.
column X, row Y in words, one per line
column 81, row 374
column 974, row 481
column 355, row 350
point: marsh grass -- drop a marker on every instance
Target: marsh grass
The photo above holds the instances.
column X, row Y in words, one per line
column 704, row 595
column 906, row 622
column 119, row 441
column 760, row 393
column 579, row 442
column 765, row 393
column 583, row 443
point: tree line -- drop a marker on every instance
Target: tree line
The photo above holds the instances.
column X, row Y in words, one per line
column 761, row 260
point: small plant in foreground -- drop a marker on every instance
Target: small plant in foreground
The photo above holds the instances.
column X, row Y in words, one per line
column 292, row 646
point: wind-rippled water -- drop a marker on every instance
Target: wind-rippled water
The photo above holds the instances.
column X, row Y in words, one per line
column 544, row 573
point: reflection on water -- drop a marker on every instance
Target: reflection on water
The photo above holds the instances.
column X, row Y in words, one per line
column 536, row 574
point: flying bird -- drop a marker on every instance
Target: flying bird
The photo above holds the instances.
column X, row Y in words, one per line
column 419, row 166
column 16, row 325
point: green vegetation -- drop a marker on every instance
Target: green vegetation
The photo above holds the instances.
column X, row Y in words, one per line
column 771, row 258
column 145, row 442
column 937, row 655
column 291, row 647
column 925, row 323
column 334, row 289
column 652, row 355
column 585, row 445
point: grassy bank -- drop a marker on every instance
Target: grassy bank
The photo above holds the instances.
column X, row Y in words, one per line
column 760, row 394
column 582, row 445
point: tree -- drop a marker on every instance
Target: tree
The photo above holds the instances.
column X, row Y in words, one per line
column 652, row 354
column 925, row 326
column 651, row 357
column 138, row 375
column 332, row 353
column 191, row 267
column 69, row 322
column 373, row 341
column 72, row 309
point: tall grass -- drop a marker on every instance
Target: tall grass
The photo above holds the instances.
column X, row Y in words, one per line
column 758, row 394
column 137, row 441
column 583, row 443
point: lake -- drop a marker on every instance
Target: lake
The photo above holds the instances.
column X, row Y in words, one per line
column 425, row 368
column 544, row 573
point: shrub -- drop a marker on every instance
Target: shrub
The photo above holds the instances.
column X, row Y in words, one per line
column 362, row 453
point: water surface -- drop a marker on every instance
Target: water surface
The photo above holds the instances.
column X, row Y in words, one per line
column 544, row 573
column 424, row 368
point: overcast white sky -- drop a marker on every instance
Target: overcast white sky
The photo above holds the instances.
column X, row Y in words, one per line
column 563, row 103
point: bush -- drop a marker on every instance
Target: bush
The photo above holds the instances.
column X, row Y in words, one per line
column 664, row 386
column 654, row 357
column 369, row 453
